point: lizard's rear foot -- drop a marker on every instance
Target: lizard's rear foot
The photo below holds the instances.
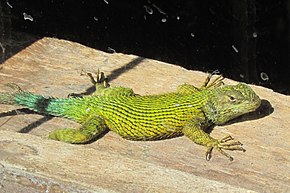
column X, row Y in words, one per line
column 98, row 78
column 68, row 135
column 226, row 143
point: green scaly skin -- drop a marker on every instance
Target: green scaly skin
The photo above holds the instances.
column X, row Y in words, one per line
column 188, row 111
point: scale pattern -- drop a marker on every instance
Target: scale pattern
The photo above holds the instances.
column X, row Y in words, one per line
column 188, row 111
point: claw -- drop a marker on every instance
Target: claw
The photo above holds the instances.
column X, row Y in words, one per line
column 230, row 143
column 226, row 143
column 97, row 77
column 215, row 83
column 208, row 154
column 225, row 154
column 227, row 138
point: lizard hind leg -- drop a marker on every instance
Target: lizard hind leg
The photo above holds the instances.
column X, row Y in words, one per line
column 91, row 128
column 98, row 79
column 103, row 88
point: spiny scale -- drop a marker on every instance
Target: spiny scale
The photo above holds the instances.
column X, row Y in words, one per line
column 140, row 118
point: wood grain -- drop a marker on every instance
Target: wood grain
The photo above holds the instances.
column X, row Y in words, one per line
column 30, row 162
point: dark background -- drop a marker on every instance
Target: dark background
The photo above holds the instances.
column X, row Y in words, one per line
column 246, row 40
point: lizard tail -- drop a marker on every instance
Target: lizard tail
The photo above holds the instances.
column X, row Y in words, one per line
column 37, row 103
column 71, row 108
column 9, row 98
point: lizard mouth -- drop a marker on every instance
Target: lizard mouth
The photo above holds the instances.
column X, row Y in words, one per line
column 256, row 101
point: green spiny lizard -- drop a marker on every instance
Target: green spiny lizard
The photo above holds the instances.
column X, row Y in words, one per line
column 189, row 111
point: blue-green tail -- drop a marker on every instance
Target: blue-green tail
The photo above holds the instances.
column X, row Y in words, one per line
column 72, row 108
column 37, row 103
column 34, row 102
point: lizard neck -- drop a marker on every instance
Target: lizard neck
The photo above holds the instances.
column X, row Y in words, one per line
column 209, row 108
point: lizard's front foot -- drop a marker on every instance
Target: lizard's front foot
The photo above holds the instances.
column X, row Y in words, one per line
column 217, row 82
column 226, row 143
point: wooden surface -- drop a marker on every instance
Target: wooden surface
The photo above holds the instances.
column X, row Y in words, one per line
column 29, row 162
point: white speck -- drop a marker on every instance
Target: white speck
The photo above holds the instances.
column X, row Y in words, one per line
column 145, row 17
column 211, row 11
column 3, row 51
column 88, row 110
column 158, row 9
column 192, row 35
column 27, row 17
column 148, row 9
column 177, row 105
column 111, row 50
column 163, row 20
column 235, row 49
column 96, row 19
column 9, row 4
column 190, row 105
column 215, row 72
column 178, row 18
column 170, row 128
column 264, row 76
column 2, row 47
column 255, row 34
column 107, row 2
column 242, row 76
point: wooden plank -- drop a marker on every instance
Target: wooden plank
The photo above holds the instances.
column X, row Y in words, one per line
column 52, row 67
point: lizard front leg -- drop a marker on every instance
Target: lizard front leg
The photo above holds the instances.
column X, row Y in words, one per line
column 217, row 82
column 193, row 130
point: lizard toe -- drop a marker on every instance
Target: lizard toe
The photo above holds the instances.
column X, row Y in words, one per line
column 226, row 143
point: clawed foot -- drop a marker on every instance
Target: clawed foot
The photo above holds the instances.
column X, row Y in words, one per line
column 226, row 143
column 97, row 78
column 68, row 135
column 215, row 83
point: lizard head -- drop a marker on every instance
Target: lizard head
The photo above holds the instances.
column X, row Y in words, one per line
column 231, row 101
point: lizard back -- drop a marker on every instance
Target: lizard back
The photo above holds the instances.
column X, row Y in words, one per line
column 144, row 117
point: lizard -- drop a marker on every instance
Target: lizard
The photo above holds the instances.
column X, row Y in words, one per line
column 189, row 111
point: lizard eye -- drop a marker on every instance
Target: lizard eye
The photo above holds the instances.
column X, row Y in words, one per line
column 232, row 99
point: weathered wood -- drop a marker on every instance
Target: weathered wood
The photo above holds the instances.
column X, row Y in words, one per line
column 30, row 162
